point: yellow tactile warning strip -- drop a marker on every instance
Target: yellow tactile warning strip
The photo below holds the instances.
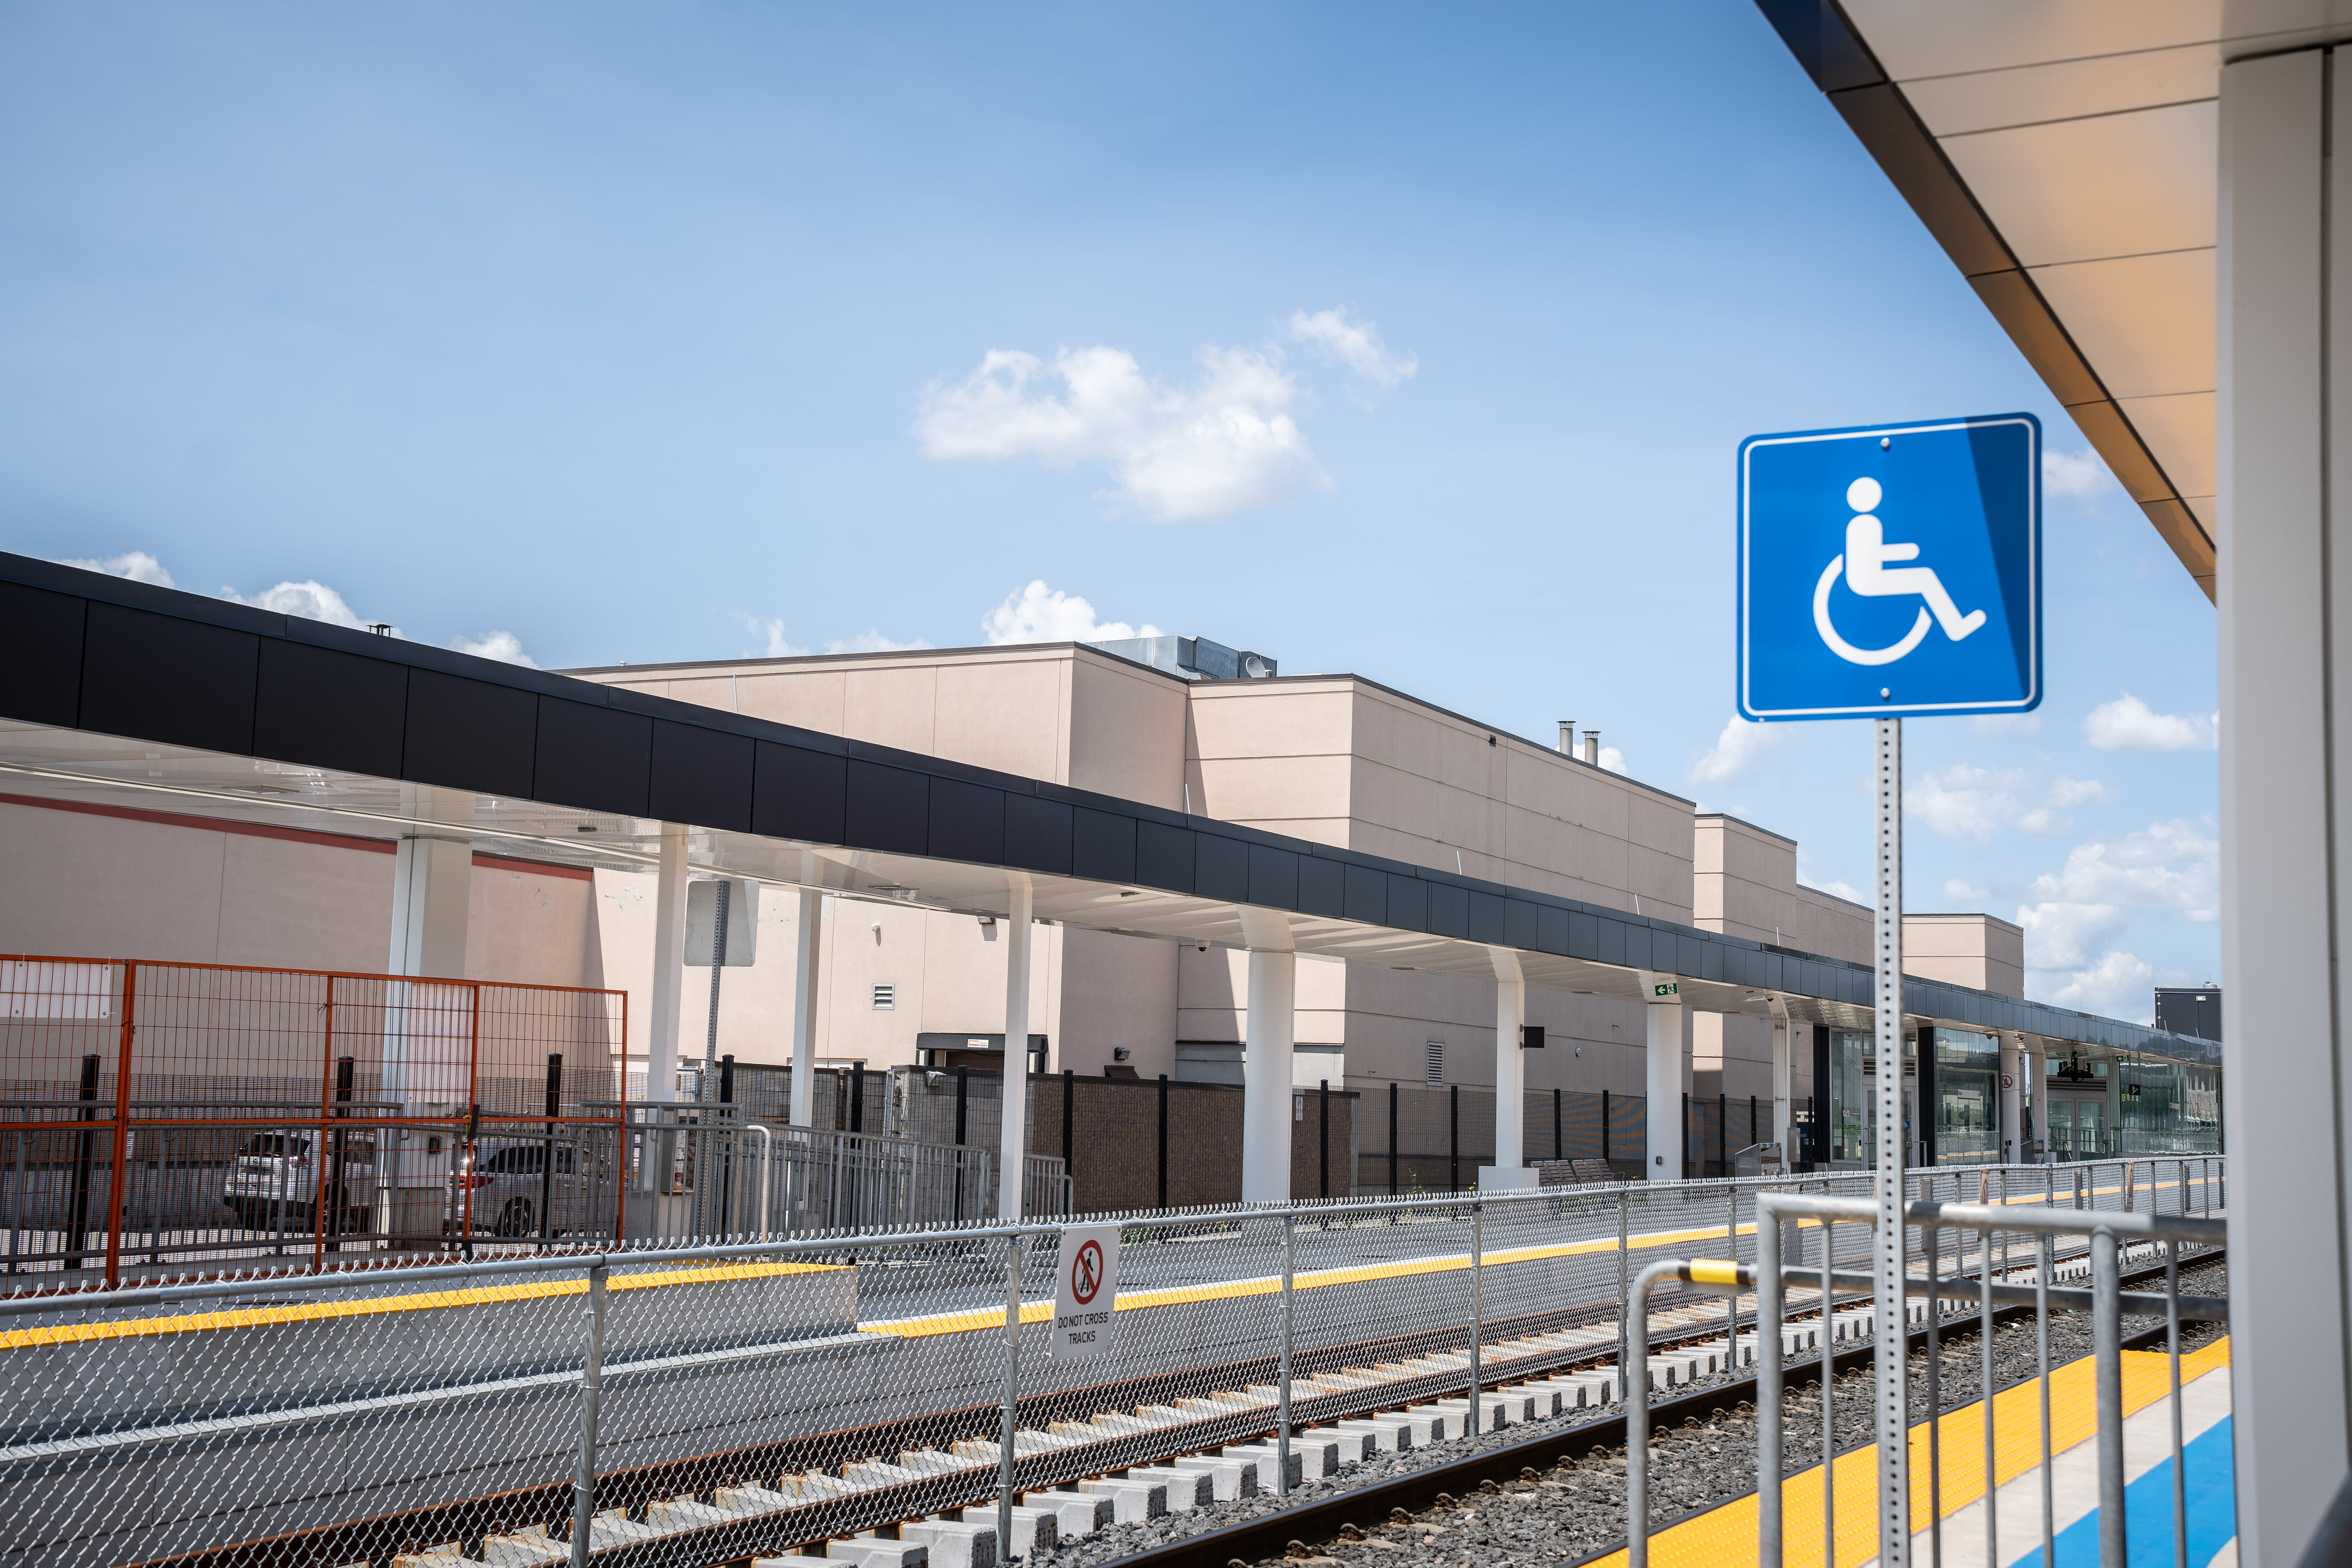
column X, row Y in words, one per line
column 1314, row 1280
column 1233, row 1289
column 937, row 1323
column 422, row 1301
column 1727, row 1534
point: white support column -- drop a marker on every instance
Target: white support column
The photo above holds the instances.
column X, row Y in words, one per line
column 432, row 906
column 669, row 965
column 1012, row 1149
column 1509, row 1171
column 2284, row 450
column 2031, row 1082
column 808, row 951
column 1783, row 1080
column 2012, row 1089
column 1667, row 1060
column 432, row 900
column 1270, row 1033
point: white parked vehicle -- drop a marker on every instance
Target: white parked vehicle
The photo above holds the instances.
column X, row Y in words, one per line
column 508, row 1182
column 273, row 1181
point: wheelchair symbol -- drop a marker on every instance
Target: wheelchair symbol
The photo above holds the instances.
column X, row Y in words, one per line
column 1864, row 566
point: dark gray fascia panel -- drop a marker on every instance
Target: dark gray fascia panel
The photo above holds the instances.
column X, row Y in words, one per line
column 475, row 724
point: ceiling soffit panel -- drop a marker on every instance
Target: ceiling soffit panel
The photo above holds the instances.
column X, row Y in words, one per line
column 2031, row 180
column 2107, row 304
column 2180, row 430
column 2113, row 184
column 2063, row 90
column 1948, row 36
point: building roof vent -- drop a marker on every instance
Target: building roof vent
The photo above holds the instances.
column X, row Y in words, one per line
column 1195, row 659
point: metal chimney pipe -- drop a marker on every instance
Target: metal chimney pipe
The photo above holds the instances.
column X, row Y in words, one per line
column 1593, row 747
column 1568, row 737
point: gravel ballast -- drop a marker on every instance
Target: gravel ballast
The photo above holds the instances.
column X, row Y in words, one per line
column 1578, row 1506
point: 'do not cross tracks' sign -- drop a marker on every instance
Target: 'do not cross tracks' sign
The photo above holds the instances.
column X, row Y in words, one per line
column 1891, row 570
column 1087, row 1292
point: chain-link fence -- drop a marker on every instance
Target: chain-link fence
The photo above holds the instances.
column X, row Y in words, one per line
column 159, row 1116
column 710, row 1404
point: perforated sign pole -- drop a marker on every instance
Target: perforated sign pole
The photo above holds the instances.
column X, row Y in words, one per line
column 1886, row 1259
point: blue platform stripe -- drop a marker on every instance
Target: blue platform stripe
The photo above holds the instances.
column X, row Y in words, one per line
column 2147, row 1512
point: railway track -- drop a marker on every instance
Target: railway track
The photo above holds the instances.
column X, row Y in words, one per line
column 1146, row 1447
column 1368, row 1507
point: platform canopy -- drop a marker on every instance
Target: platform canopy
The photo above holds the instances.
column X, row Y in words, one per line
column 2066, row 157
column 125, row 694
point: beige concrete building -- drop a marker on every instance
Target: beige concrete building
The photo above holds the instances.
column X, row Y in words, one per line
column 1338, row 759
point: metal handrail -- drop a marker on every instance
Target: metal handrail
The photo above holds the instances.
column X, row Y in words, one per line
column 2106, row 1301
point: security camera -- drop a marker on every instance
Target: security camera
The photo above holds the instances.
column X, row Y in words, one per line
column 1203, row 945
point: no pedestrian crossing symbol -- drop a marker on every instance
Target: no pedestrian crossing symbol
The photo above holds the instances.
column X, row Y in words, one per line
column 1087, row 1293
column 1891, row 570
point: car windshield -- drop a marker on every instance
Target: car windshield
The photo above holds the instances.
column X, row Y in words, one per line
column 523, row 1159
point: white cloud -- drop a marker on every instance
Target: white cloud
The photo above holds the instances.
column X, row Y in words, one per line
column 2168, row 866
column 2065, row 793
column 2082, row 909
column 2116, row 986
column 1836, row 889
column 2073, row 473
column 136, row 564
column 1039, row 614
column 2004, row 725
column 1738, row 748
column 1612, row 760
column 774, row 632
column 311, row 599
column 867, row 641
column 872, row 641
column 1967, row 803
column 2066, row 935
column 1957, row 892
column 1227, row 444
column 2127, row 724
column 504, row 647
column 1357, row 345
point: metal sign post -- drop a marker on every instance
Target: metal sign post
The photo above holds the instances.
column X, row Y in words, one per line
column 1889, row 571
column 1893, row 1423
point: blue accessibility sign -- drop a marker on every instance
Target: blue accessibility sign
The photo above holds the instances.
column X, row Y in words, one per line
column 1892, row 571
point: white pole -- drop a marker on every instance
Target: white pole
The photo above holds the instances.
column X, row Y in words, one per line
column 1663, row 1078
column 2012, row 1091
column 1011, row 1163
column 1271, row 1033
column 1510, row 1076
column 1887, row 1250
column 807, row 950
column 669, row 965
column 1783, row 1080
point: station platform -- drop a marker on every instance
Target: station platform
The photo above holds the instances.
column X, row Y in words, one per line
column 1726, row 1535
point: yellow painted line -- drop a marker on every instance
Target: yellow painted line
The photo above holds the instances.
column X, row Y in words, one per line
column 1314, row 1279
column 1726, row 1535
column 376, row 1306
column 941, row 1323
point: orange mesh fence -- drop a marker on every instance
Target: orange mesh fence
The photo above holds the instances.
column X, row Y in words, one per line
column 161, row 1119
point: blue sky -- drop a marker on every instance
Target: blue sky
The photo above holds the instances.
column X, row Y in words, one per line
column 1414, row 341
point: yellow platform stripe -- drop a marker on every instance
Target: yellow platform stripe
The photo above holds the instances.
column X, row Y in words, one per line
column 376, row 1306
column 1726, row 1535
column 1235, row 1290
column 940, row 1324
column 1313, row 1279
